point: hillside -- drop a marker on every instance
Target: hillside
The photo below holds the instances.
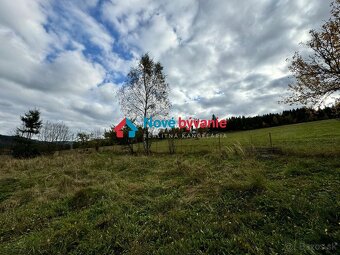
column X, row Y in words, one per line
column 6, row 141
column 317, row 137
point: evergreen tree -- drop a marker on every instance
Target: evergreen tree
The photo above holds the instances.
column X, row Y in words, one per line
column 31, row 124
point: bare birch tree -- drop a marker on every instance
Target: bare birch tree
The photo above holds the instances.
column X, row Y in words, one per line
column 145, row 94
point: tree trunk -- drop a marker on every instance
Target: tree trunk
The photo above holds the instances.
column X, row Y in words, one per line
column 146, row 141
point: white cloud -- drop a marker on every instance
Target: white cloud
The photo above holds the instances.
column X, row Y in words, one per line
column 157, row 38
column 28, row 79
column 77, row 20
column 127, row 15
column 25, row 19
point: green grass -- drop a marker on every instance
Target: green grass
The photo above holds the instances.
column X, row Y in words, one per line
column 318, row 138
column 194, row 203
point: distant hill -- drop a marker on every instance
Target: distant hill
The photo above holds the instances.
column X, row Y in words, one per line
column 9, row 143
column 6, row 141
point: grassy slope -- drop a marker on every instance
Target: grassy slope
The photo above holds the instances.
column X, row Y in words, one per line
column 319, row 137
column 102, row 203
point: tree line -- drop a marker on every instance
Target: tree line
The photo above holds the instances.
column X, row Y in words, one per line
column 35, row 137
column 52, row 136
column 287, row 117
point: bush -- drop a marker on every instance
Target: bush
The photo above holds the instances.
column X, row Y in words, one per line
column 25, row 148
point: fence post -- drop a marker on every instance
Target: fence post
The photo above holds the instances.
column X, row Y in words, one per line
column 270, row 140
column 219, row 142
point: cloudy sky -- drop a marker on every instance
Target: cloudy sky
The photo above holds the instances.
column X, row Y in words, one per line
column 68, row 57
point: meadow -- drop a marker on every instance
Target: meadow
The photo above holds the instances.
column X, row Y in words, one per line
column 313, row 138
column 204, row 199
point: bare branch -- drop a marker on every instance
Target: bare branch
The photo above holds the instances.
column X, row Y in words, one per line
column 317, row 77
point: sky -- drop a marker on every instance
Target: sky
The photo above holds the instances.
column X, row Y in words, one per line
column 68, row 58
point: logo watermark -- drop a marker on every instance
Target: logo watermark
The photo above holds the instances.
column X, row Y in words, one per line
column 302, row 246
column 184, row 123
column 125, row 122
column 181, row 123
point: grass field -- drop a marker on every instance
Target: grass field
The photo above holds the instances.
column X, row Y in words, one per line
column 319, row 137
column 218, row 202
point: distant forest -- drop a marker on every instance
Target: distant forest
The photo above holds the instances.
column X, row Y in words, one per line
column 278, row 119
